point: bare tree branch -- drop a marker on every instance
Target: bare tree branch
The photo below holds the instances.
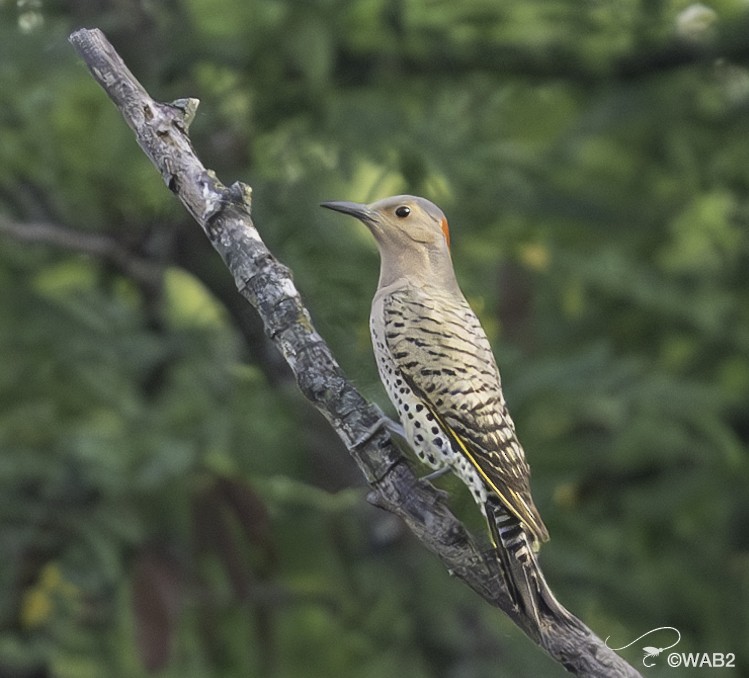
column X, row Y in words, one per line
column 148, row 271
column 224, row 215
column 559, row 60
column 101, row 246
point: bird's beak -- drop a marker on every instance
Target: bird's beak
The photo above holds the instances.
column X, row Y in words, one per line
column 355, row 209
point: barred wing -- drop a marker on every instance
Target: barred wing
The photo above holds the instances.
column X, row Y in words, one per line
column 440, row 348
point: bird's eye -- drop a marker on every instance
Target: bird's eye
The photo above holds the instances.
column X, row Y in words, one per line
column 402, row 211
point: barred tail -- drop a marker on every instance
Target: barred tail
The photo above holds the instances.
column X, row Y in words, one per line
column 519, row 564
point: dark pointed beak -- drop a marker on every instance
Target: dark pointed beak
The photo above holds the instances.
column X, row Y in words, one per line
column 355, row 209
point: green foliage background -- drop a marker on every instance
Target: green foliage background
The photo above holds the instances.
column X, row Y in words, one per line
column 168, row 502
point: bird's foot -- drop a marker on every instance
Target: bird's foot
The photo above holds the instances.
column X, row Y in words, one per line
column 384, row 421
column 429, row 477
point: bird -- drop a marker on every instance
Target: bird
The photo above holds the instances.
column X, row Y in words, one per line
column 438, row 369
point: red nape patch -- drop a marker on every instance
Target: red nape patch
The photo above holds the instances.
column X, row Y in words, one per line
column 445, row 230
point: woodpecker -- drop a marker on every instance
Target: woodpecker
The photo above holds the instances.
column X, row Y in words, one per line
column 439, row 371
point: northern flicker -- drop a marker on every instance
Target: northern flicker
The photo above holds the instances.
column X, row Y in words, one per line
column 439, row 371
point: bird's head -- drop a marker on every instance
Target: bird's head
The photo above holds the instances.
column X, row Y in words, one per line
column 411, row 233
column 400, row 221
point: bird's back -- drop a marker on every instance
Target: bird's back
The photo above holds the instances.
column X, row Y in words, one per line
column 434, row 357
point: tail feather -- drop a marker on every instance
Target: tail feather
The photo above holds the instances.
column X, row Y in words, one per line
column 525, row 581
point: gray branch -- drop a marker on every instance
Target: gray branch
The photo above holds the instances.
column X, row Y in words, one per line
column 100, row 246
column 224, row 215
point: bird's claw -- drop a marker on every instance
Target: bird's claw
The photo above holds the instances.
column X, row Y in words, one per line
column 390, row 425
